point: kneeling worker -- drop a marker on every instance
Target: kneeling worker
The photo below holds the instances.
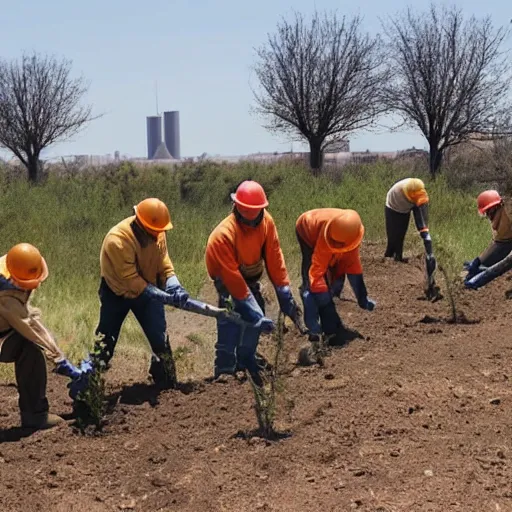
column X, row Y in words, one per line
column 491, row 204
column 24, row 340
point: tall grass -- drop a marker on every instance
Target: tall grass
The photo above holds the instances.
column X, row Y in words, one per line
column 68, row 216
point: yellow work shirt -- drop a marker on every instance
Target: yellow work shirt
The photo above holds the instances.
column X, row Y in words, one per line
column 128, row 266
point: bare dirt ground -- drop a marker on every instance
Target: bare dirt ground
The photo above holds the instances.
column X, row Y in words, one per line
column 416, row 416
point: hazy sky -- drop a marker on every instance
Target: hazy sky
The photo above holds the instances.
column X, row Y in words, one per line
column 199, row 51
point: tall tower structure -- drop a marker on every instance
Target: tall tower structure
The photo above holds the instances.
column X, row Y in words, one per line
column 172, row 132
column 154, row 134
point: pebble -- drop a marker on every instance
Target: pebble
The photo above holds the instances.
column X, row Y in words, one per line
column 128, row 506
column 495, row 401
column 428, row 472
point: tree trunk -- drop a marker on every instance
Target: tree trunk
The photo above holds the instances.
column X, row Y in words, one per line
column 34, row 169
column 316, row 156
column 436, row 158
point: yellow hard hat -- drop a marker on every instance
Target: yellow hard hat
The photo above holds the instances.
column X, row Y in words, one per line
column 414, row 188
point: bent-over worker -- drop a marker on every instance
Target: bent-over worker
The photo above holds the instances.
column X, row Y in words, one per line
column 329, row 240
column 403, row 197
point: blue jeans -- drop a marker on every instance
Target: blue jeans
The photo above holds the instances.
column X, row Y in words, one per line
column 236, row 346
column 150, row 314
column 318, row 319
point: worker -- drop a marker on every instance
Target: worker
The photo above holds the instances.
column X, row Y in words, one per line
column 237, row 252
column 490, row 204
column 403, row 197
column 24, row 340
column 137, row 275
column 329, row 240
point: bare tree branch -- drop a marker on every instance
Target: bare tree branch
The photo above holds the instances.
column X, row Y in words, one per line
column 319, row 80
column 40, row 104
column 449, row 76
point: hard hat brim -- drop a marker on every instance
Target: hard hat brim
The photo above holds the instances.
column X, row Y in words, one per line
column 25, row 284
column 167, row 227
column 333, row 245
column 496, row 202
column 249, row 206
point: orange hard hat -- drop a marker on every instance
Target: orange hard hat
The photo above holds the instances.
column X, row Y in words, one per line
column 344, row 232
column 487, row 200
column 25, row 266
column 153, row 215
column 250, row 195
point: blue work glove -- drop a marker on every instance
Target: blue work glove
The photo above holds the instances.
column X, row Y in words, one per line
column 473, row 267
column 286, row 302
column 154, row 293
column 176, row 291
column 479, row 280
column 67, row 369
column 251, row 312
column 80, row 384
column 311, row 314
column 427, row 241
column 370, row 305
column 357, row 283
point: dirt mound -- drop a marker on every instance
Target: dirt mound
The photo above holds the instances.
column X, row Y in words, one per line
column 415, row 416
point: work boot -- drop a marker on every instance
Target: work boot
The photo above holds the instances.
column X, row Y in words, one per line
column 163, row 372
column 257, row 378
column 40, row 421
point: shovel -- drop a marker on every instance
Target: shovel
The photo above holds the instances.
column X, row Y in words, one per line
column 432, row 291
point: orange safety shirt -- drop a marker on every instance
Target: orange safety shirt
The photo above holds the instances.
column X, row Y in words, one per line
column 235, row 251
column 311, row 228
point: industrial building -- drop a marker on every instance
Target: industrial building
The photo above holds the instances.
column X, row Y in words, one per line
column 168, row 146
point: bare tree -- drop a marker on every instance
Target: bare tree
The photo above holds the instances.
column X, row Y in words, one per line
column 449, row 76
column 40, row 104
column 319, row 80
